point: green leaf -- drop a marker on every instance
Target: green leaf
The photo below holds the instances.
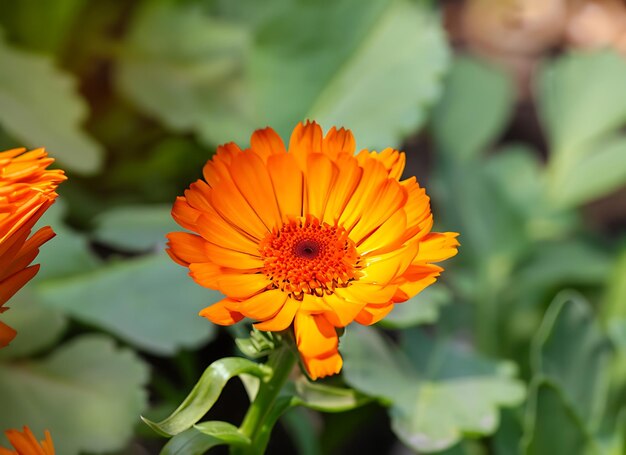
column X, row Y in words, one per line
column 326, row 398
column 223, row 76
column 551, row 426
column 52, row 20
column 583, row 106
column 139, row 300
column 88, row 393
column 40, row 107
column 37, row 326
column 421, row 309
column 571, row 351
column 300, row 425
column 520, row 176
column 433, row 404
column 135, row 228
column 205, row 393
column 68, row 253
column 204, row 436
column 556, row 264
column 472, row 87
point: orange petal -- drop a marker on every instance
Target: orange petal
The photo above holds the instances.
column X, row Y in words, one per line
column 6, row 334
column 436, row 247
column 338, row 142
column 12, row 284
column 321, row 175
column 282, row 320
column 343, row 311
column 371, row 314
column 368, row 293
column 393, row 160
column 288, row 183
column 264, row 305
column 267, row 142
column 387, row 236
column 383, row 268
column 252, row 179
column 187, row 248
column 230, row 204
column 242, row 286
column 306, row 138
column 315, row 336
column 219, row 313
column 319, row 367
column 343, row 189
column 233, row 259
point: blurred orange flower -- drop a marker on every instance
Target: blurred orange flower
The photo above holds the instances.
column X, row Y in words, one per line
column 25, row 443
column 27, row 189
column 313, row 236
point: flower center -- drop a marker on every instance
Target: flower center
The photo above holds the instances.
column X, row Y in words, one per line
column 306, row 256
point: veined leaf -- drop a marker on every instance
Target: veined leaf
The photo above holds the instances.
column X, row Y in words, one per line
column 433, row 404
column 40, row 106
column 138, row 300
column 222, row 76
column 88, row 393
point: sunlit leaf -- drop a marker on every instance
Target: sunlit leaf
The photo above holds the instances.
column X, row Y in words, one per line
column 571, row 351
column 149, row 302
column 421, row 309
column 205, row 393
column 37, row 326
column 135, row 228
column 583, row 106
column 204, row 436
column 222, row 76
column 39, row 105
column 88, row 393
column 552, row 427
column 477, row 103
column 433, row 403
column 326, row 398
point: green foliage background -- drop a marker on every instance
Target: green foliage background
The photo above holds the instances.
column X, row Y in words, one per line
column 520, row 348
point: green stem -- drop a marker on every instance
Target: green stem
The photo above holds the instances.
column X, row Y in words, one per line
column 255, row 423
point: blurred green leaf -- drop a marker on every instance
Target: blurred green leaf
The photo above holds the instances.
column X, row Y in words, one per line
column 432, row 405
column 149, row 302
column 520, row 176
column 557, row 264
column 572, row 353
column 52, row 20
column 421, row 309
column 39, row 106
column 222, row 78
column 204, row 436
column 68, row 253
column 37, row 326
column 552, row 428
column 88, row 393
column 135, row 228
column 582, row 103
column 300, row 425
column 476, row 106
column 206, row 392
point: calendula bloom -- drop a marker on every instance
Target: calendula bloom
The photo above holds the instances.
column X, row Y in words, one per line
column 27, row 189
column 25, row 443
column 312, row 236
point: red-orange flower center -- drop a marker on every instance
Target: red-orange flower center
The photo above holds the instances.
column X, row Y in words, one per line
column 305, row 256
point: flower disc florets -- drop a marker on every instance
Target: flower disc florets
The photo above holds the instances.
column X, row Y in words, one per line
column 308, row 257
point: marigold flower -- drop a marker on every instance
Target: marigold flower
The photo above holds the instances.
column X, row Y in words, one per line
column 312, row 235
column 25, row 443
column 27, row 189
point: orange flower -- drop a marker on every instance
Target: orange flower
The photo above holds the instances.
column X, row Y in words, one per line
column 27, row 189
column 313, row 236
column 25, row 443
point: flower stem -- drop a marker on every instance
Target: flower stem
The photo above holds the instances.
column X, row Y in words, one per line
column 259, row 416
